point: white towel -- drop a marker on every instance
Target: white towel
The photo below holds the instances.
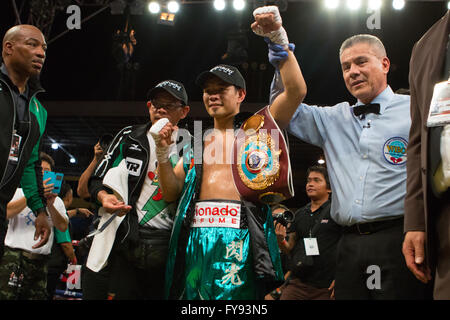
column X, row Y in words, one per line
column 117, row 180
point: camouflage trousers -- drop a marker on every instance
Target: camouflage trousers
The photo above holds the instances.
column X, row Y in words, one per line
column 22, row 277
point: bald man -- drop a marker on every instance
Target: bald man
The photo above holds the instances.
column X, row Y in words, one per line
column 21, row 125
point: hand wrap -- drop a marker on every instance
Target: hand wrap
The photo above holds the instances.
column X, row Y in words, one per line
column 162, row 153
column 277, row 36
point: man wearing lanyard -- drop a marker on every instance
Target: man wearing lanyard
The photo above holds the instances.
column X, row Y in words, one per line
column 22, row 125
column 312, row 270
column 427, row 203
column 365, row 148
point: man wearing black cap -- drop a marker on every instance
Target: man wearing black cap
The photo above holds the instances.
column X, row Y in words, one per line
column 221, row 247
column 138, row 257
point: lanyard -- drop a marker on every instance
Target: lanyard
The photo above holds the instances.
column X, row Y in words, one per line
column 313, row 230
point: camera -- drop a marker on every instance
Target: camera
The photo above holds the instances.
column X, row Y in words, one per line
column 284, row 218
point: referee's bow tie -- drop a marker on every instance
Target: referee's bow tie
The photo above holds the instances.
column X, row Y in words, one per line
column 367, row 108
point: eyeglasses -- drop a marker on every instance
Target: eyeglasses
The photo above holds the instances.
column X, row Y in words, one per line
column 166, row 106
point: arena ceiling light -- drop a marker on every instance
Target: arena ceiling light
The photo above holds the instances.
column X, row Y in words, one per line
column 374, row 4
column 331, row 4
column 167, row 19
column 55, row 146
column 398, row 4
column 154, row 7
column 173, row 6
column 219, row 5
column 448, row 5
column 353, row 4
column 239, row 5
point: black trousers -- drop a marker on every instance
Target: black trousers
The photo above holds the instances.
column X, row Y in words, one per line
column 138, row 270
column 372, row 267
column 95, row 285
column 53, row 275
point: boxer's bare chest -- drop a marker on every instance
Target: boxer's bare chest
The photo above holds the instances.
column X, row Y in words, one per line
column 217, row 178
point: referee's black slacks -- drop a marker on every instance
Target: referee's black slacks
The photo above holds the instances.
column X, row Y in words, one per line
column 372, row 267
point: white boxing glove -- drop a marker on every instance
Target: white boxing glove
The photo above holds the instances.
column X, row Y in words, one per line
column 278, row 36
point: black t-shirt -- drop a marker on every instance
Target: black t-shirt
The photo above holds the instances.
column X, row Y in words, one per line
column 320, row 225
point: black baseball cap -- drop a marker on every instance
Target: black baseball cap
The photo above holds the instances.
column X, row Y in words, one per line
column 227, row 73
column 175, row 88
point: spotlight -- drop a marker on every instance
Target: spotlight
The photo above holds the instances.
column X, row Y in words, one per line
column 55, row 146
column 173, row 6
column 353, row 4
column 375, row 4
column 219, row 5
column 398, row 4
column 73, row 160
column 331, row 4
column 321, row 161
column 154, row 7
column 239, row 5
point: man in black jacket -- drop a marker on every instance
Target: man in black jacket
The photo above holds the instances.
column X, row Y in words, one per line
column 21, row 125
column 138, row 257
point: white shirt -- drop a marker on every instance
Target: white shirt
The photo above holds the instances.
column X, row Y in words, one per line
column 21, row 227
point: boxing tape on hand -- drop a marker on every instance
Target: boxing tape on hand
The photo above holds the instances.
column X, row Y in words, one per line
column 162, row 153
column 277, row 36
column 277, row 53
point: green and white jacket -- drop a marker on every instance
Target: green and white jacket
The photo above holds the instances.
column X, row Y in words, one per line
column 28, row 172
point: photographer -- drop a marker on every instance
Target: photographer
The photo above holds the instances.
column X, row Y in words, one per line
column 23, row 268
column 313, row 238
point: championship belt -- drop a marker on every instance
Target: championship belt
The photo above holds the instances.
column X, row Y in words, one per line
column 261, row 166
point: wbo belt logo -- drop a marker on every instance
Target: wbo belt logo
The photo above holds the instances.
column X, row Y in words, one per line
column 394, row 150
